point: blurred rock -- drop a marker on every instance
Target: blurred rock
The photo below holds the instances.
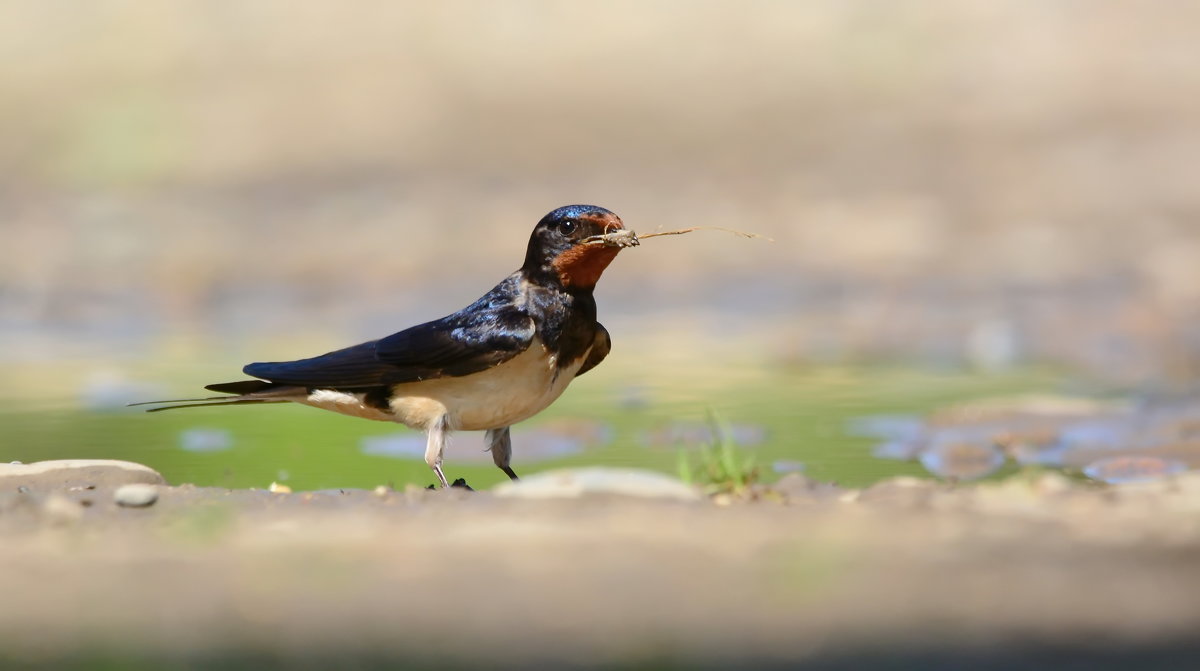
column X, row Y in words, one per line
column 67, row 473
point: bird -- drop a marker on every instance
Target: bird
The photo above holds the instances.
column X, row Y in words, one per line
column 496, row 362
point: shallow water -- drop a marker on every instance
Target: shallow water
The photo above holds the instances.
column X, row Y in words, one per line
column 785, row 418
column 1117, row 442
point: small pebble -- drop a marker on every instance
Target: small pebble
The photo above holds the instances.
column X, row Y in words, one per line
column 382, row 491
column 277, row 488
column 136, row 495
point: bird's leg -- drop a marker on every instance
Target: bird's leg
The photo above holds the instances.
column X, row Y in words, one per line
column 499, row 442
column 439, row 431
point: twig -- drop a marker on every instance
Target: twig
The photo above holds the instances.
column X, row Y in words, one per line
column 704, row 228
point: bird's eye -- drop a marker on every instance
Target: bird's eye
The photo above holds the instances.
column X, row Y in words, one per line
column 567, row 227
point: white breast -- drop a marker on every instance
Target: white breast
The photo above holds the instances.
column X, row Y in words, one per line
column 499, row 396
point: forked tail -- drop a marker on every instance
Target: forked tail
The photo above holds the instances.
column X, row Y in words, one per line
column 244, row 392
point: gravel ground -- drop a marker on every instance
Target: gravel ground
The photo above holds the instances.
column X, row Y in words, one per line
column 1034, row 571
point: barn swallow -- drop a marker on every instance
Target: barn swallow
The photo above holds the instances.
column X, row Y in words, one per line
column 496, row 362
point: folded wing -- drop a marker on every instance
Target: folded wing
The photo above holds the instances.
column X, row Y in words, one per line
column 461, row 344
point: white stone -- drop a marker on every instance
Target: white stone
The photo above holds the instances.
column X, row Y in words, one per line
column 136, row 495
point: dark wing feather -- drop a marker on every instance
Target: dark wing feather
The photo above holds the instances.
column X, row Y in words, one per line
column 349, row 368
column 599, row 350
column 458, row 345
column 489, row 332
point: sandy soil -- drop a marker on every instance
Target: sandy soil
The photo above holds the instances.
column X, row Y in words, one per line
column 1032, row 572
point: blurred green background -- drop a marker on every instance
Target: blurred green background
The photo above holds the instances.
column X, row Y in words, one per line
column 966, row 198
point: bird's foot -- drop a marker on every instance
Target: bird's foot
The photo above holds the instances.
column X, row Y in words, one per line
column 461, row 483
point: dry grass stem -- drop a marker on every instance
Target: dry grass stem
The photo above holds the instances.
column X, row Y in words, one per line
column 681, row 231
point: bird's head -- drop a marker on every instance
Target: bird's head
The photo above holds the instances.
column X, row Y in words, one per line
column 574, row 244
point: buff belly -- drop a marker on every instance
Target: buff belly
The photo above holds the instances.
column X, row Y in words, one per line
column 497, row 397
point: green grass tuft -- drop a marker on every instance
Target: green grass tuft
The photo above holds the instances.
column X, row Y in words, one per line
column 722, row 467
